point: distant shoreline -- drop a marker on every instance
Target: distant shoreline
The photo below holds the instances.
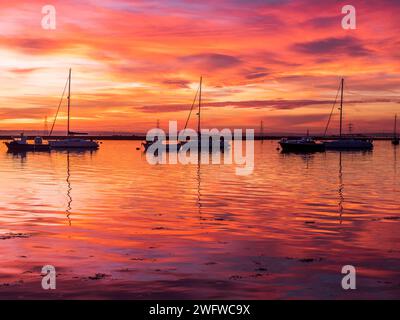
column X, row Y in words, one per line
column 143, row 138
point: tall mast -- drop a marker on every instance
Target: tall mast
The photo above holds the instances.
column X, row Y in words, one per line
column 262, row 130
column 69, row 98
column 395, row 126
column 46, row 128
column 341, row 108
column 199, row 123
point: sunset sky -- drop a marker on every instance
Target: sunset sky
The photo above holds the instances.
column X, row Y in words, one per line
column 134, row 62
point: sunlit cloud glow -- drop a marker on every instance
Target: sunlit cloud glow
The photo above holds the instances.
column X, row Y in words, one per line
column 134, row 62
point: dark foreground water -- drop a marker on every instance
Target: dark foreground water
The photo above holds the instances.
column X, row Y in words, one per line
column 116, row 227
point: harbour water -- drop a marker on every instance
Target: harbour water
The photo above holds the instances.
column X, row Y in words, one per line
column 115, row 226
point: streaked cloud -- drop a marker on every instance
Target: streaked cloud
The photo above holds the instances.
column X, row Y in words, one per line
column 135, row 61
column 333, row 46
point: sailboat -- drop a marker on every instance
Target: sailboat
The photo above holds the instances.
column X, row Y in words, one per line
column 395, row 140
column 169, row 145
column 223, row 145
column 72, row 142
column 176, row 146
column 343, row 143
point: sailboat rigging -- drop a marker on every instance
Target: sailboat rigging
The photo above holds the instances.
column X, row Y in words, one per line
column 71, row 142
column 344, row 143
column 199, row 115
column 177, row 145
column 223, row 145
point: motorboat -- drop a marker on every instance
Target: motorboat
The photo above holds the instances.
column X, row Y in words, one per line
column 21, row 144
column 306, row 144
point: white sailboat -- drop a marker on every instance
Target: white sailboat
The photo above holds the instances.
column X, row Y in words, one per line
column 346, row 143
column 73, row 142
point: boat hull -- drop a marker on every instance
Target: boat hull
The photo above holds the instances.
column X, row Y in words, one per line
column 174, row 147
column 302, row 147
column 395, row 142
column 16, row 147
column 169, row 147
column 343, row 145
column 74, row 144
column 211, row 148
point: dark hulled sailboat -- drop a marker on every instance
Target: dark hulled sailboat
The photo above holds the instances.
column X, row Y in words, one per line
column 347, row 143
column 222, row 145
column 21, row 144
column 303, row 145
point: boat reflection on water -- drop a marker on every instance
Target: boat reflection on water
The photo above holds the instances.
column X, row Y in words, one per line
column 199, row 189
column 69, row 199
column 305, row 156
column 341, row 188
column 69, row 191
column 185, row 156
column 69, row 153
column 144, row 225
column 22, row 155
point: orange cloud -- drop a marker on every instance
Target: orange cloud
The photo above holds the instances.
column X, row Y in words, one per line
column 137, row 61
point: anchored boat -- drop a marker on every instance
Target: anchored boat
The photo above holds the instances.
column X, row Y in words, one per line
column 21, row 144
column 350, row 144
column 347, row 143
column 72, row 142
column 177, row 145
column 306, row 144
column 221, row 145
column 169, row 146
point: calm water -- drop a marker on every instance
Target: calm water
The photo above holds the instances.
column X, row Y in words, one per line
column 115, row 226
